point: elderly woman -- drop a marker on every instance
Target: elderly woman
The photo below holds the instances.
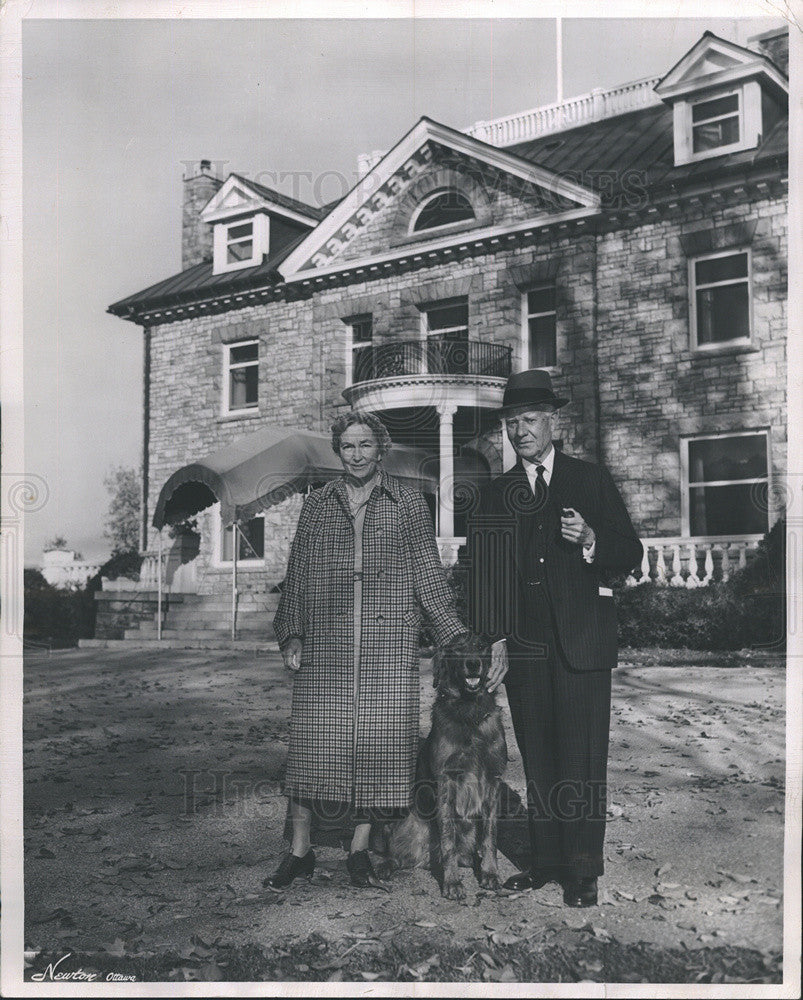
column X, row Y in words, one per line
column 363, row 566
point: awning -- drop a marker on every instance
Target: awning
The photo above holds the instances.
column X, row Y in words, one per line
column 261, row 469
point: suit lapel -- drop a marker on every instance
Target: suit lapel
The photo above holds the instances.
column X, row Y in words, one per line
column 519, row 499
column 561, row 481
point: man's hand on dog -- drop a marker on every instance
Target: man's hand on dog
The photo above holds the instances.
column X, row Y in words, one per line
column 291, row 654
column 574, row 528
column 499, row 665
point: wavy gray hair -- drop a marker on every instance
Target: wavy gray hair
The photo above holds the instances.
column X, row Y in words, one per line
column 371, row 420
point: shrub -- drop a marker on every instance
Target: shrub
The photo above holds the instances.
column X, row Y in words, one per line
column 747, row 611
column 57, row 618
column 716, row 617
column 127, row 564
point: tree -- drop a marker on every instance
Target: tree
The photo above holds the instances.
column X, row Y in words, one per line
column 122, row 521
column 57, row 542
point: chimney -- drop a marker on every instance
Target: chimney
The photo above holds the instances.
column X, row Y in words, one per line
column 774, row 45
column 200, row 184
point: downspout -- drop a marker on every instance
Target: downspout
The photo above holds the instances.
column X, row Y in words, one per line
column 146, row 440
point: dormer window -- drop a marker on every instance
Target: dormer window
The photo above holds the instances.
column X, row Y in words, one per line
column 444, row 208
column 715, row 123
column 712, row 124
column 724, row 98
column 241, row 242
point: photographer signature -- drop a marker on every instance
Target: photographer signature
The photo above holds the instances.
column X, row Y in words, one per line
column 52, row 974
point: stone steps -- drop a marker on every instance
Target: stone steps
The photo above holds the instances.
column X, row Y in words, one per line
column 203, row 621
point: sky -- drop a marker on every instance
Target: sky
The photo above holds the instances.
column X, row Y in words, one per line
column 114, row 111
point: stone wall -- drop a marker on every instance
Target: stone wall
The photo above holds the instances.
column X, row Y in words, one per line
column 115, row 611
column 654, row 389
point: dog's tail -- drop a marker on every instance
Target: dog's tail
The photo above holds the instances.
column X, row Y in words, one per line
column 409, row 842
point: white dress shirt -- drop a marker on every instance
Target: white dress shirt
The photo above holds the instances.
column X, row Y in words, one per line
column 548, row 461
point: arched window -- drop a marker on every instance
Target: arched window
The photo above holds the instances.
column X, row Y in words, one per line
column 442, row 209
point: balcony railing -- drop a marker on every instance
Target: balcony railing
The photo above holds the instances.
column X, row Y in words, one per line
column 433, row 356
column 567, row 114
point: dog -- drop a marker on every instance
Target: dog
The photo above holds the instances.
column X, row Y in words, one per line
column 460, row 767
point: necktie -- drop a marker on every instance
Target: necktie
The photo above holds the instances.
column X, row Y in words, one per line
column 540, row 489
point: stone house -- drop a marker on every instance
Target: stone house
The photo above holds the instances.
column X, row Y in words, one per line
column 631, row 241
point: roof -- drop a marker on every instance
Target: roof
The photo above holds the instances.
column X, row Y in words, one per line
column 755, row 56
column 631, row 153
column 619, row 158
column 313, row 211
column 200, row 282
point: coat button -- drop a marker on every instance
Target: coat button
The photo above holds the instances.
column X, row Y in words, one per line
column 380, row 618
column 541, row 559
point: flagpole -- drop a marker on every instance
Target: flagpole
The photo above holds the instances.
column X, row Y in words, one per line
column 559, row 58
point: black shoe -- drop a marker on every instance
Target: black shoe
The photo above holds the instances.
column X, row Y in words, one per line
column 361, row 870
column 580, row 892
column 291, row 868
column 526, row 880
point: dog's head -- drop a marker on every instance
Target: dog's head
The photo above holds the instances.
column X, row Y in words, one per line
column 461, row 668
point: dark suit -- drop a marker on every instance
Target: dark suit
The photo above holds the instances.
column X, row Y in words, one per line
column 529, row 585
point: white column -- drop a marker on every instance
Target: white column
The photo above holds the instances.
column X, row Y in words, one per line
column 446, row 412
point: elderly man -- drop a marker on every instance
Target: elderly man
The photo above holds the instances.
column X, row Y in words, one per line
column 543, row 535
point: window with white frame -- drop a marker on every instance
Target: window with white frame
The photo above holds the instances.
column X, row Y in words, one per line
column 726, row 484
column 540, row 342
column 715, row 123
column 721, row 300
column 241, row 376
column 250, row 539
column 361, row 350
column 443, row 209
column 445, row 327
column 712, row 123
column 239, row 242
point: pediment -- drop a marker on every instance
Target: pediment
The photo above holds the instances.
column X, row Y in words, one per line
column 234, row 197
column 714, row 61
column 381, row 214
column 238, row 196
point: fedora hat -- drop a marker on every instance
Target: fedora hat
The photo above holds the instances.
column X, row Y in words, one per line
column 530, row 388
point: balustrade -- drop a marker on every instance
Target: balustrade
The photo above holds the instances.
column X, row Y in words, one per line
column 692, row 562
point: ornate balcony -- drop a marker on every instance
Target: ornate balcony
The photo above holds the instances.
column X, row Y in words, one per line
column 432, row 372
column 434, row 356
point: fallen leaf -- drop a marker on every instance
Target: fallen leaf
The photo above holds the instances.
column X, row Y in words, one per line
column 507, row 974
column 116, row 948
column 504, row 938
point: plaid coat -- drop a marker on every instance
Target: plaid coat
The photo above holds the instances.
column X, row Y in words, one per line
column 402, row 577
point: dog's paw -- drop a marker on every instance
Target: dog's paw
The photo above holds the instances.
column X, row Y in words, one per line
column 453, row 889
column 488, row 880
column 385, row 870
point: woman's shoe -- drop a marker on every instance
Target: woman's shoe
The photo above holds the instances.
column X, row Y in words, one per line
column 291, row 868
column 361, row 870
